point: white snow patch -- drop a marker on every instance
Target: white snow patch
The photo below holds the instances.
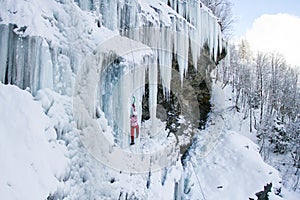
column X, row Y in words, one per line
column 33, row 161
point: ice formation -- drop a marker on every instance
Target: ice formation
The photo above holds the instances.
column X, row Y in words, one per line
column 45, row 49
column 52, row 43
column 186, row 25
column 168, row 30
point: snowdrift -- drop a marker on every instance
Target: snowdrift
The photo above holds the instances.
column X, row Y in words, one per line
column 32, row 160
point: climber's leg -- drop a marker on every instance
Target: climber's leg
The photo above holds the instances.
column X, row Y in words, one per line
column 137, row 131
column 132, row 136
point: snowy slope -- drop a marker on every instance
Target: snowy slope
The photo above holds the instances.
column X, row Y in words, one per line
column 225, row 164
column 32, row 160
column 232, row 169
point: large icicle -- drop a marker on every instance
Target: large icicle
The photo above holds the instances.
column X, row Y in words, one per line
column 195, row 34
column 182, row 50
column 165, row 59
column 194, row 22
column 152, row 70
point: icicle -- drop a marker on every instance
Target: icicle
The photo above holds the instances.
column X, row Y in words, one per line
column 110, row 13
column 152, row 68
column 196, row 33
column 203, row 28
column 215, row 34
column 220, row 40
column 46, row 68
column 182, row 49
column 4, row 41
column 181, row 8
column 211, row 36
column 175, row 5
column 165, row 59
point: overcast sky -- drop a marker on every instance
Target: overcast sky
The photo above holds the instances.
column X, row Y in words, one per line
column 270, row 25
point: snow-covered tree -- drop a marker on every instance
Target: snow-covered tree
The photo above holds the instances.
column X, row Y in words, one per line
column 223, row 10
column 267, row 91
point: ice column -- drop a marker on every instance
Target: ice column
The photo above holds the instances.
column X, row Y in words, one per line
column 182, row 49
column 152, row 68
column 165, row 58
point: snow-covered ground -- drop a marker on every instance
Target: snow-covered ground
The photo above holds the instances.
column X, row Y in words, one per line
column 224, row 163
column 44, row 156
column 33, row 161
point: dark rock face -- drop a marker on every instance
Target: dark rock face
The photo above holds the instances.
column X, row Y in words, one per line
column 189, row 100
column 263, row 195
column 168, row 109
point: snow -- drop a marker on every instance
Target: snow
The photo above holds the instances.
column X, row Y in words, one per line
column 33, row 161
column 224, row 163
column 232, row 169
column 236, row 165
column 89, row 178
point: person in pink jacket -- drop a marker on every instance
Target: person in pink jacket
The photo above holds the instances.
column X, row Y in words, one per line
column 134, row 124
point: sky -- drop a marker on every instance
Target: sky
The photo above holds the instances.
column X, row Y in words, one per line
column 269, row 25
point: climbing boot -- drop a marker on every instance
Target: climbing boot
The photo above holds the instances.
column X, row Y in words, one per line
column 132, row 140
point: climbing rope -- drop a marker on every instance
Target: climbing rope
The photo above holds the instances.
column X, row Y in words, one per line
column 201, row 190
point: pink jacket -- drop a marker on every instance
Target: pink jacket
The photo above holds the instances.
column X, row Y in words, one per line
column 133, row 121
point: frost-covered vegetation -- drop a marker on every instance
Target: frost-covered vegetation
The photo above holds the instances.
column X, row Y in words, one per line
column 267, row 92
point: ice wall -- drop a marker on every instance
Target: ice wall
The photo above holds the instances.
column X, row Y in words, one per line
column 169, row 30
column 32, row 61
column 46, row 49
column 25, row 61
column 124, row 79
column 176, row 30
column 43, row 43
column 68, row 33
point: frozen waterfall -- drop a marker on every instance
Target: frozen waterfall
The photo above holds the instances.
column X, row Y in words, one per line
column 34, row 58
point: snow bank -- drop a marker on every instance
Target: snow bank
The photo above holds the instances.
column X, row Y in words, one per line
column 32, row 161
column 233, row 170
column 223, row 162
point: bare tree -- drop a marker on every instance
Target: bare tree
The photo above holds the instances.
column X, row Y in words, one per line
column 223, row 10
column 267, row 91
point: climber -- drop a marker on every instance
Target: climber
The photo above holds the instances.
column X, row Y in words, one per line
column 133, row 123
